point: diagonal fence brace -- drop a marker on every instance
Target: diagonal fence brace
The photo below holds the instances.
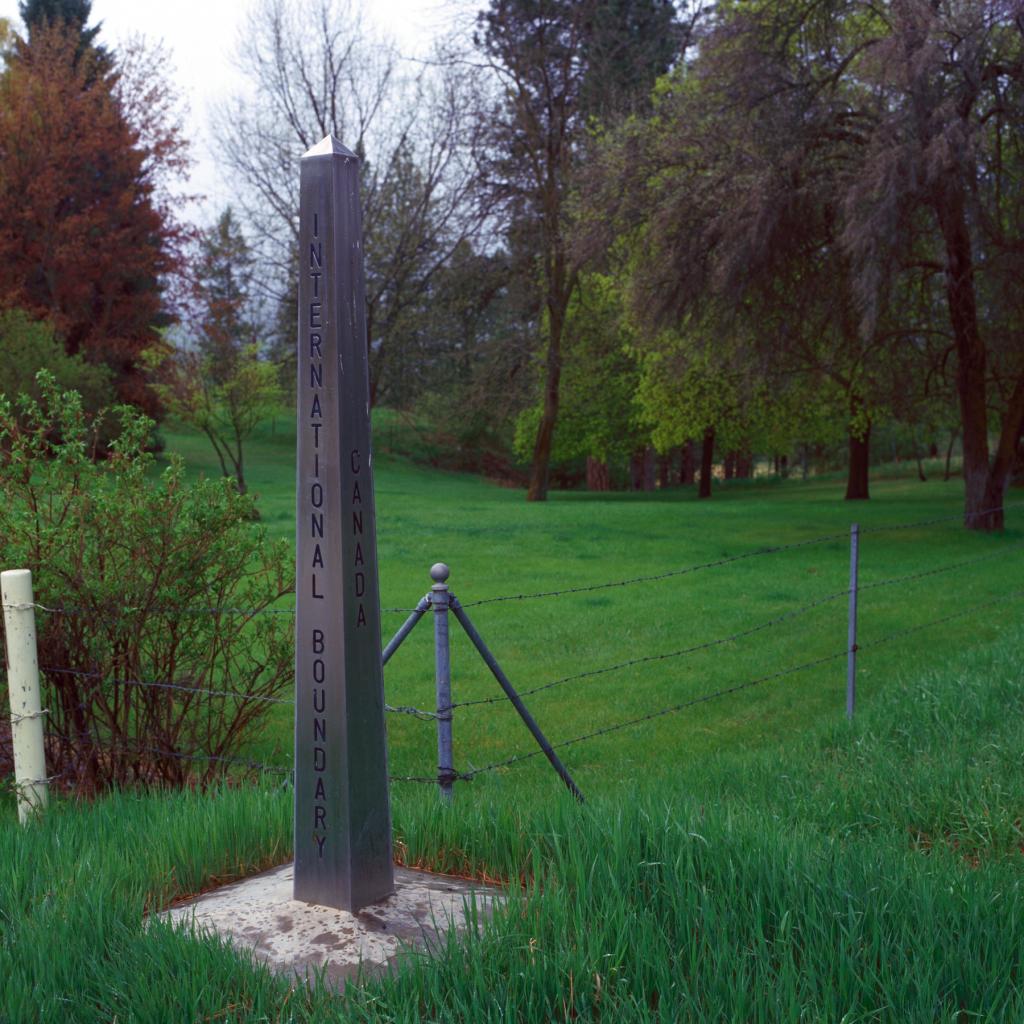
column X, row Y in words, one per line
column 491, row 662
column 405, row 629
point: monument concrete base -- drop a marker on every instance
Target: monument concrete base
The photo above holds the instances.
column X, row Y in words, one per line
column 299, row 939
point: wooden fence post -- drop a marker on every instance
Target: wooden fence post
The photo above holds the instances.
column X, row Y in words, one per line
column 23, row 691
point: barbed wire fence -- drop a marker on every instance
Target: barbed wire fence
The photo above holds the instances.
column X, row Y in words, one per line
column 441, row 601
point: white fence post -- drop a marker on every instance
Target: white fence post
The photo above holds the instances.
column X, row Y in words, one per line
column 23, row 691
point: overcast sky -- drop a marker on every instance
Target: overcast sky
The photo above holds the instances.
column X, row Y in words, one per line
column 203, row 37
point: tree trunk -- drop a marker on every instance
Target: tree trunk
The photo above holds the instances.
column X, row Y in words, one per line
column 745, row 466
column 983, row 491
column 222, row 453
column 538, row 489
column 1006, row 452
column 949, row 452
column 559, row 291
column 729, row 465
column 857, row 470
column 636, row 470
column 373, row 361
column 707, row 453
column 1017, row 473
column 784, row 466
column 664, row 462
column 598, row 477
column 686, row 468
column 648, row 468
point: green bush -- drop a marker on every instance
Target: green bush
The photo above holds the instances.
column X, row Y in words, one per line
column 28, row 346
column 142, row 581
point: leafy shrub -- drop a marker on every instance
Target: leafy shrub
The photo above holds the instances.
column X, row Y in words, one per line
column 145, row 579
column 28, row 346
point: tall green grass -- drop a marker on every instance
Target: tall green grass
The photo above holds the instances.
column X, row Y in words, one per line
column 754, row 858
column 866, row 873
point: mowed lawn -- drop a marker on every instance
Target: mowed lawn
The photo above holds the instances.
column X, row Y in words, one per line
column 497, row 545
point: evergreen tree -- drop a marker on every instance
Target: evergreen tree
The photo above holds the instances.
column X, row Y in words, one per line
column 73, row 14
column 628, row 44
column 219, row 381
column 531, row 140
column 559, row 62
column 88, row 238
column 224, row 272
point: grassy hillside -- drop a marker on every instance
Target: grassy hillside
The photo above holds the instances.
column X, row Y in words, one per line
column 497, row 544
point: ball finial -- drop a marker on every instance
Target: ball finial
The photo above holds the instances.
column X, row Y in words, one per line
column 439, row 572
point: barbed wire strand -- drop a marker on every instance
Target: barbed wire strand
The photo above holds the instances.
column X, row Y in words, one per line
column 662, row 657
column 256, row 765
column 234, row 762
column 1005, row 598
column 425, row 715
column 727, row 560
column 15, row 786
column 716, row 563
column 129, row 610
column 911, row 577
column 231, row 762
column 516, row 758
column 153, row 684
column 234, row 694
column 420, row 713
column 742, row 633
column 661, row 713
column 605, row 730
column 16, row 719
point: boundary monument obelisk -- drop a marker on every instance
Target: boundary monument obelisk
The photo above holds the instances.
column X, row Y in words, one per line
column 342, row 808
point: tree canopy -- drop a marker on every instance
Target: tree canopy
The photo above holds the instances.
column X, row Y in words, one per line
column 88, row 236
column 69, row 14
column 557, row 63
column 847, row 177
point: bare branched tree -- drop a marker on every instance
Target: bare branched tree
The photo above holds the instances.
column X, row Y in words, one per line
column 316, row 71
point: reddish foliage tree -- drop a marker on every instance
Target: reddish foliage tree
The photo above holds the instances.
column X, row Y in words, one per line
column 87, row 238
